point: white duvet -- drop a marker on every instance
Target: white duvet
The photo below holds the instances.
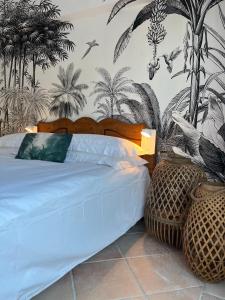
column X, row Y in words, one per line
column 54, row 216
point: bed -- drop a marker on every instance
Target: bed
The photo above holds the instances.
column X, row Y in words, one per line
column 54, row 216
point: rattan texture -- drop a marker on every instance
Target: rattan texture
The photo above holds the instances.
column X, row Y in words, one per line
column 204, row 233
column 167, row 204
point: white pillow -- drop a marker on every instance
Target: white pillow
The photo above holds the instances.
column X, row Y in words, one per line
column 99, row 159
column 12, row 140
column 9, row 151
column 105, row 145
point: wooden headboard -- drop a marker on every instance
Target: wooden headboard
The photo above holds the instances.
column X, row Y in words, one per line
column 111, row 127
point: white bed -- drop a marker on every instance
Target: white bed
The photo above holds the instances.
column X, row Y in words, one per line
column 54, row 216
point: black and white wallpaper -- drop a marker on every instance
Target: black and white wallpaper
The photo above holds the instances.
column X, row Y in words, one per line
column 160, row 62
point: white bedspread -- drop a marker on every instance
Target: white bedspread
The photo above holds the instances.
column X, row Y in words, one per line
column 54, row 216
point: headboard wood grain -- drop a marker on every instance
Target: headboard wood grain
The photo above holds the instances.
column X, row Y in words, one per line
column 111, row 127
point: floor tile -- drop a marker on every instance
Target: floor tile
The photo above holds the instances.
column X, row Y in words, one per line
column 184, row 294
column 103, row 280
column 110, row 252
column 135, row 298
column 210, row 297
column 138, row 227
column 140, row 244
column 216, row 289
column 62, row 289
column 160, row 273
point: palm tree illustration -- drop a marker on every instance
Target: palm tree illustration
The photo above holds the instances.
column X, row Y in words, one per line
column 145, row 109
column 31, row 32
column 32, row 36
column 194, row 11
column 112, row 89
column 68, row 97
column 25, row 106
column 103, row 110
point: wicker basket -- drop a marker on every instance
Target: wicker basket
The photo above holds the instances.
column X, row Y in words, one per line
column 167, row 204
column 204, row 232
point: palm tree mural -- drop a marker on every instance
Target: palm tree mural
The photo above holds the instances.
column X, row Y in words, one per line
column 145, row 109
column 68, row 97
column 25, row 107
column 32, row 36
column 206, row 144
column 103, row 110
column 112, row 89
column 195, row 12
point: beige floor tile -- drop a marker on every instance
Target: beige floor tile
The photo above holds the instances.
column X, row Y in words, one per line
column 184, row 294
column 210, row 297
column 140, row 244
column 136, row 298
column 138, row 227
column 216, row 289
column 160, row 273
column 110, row 252
column 61, row 290
column 105, row 280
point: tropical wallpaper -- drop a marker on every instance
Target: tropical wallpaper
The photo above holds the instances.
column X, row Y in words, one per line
column 161, row 62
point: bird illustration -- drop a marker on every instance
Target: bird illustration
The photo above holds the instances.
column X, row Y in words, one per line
column 153, row 67
column 91, row 45
column 170, row 58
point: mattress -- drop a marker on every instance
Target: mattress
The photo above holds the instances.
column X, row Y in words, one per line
column 54, row 216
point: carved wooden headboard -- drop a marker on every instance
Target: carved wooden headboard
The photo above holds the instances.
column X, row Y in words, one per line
column 111, row 127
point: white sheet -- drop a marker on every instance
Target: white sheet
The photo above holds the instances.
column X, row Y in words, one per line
column 54, row 216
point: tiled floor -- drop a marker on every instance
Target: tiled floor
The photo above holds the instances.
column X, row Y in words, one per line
column 135, row 267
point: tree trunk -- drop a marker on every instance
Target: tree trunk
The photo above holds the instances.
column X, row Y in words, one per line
column 195, row 79
column 10, row 71
column 34, row 72
column 6, row 117
column 20, row 67
column 4, row 70
column 15, row 71
column 112, row 104
column 24, row 65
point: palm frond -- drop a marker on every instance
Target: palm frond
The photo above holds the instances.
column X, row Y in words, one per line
column 122, row 43
column 117, row 78
column 178, row 103
column 75, row 77
column 105, row 75
column 216, row 35
column 100, row 90
column 210, row 79
column 69, row 74
column 81, row 86
column 154, row 103
column 216, row 61
column 150, row 105
column 220, row 52
column 222, row 17
column 135, row 108
column 172, row 7
column 117, row 7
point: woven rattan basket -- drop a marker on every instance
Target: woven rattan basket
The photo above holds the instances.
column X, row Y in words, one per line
column 204, row 232
column 166, row 206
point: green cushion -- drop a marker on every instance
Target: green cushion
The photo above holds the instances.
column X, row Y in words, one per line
column 42, row 146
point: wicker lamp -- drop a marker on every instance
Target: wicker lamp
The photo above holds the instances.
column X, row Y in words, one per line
column 204, row 232
column 166, row 206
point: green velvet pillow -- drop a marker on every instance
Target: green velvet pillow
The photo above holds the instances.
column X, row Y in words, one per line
column 44, row 146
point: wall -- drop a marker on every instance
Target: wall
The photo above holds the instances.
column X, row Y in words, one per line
column 52, row 69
